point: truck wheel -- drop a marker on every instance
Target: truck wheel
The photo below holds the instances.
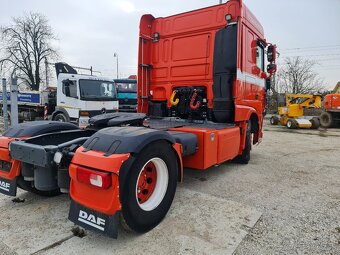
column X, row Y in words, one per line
column 148, row 187
column 292, row 124
column 274, row 120
column 315, row 123
column 326, row 119
column 60, row 117
column 245, row 156
column 26, row 185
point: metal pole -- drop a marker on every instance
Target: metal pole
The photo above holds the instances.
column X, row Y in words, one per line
column 116, row 56
column 4, row 103
column 220, row 1
column 46, row 72
column 117, row 66
column 14, row 102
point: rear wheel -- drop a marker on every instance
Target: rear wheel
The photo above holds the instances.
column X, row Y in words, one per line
column 315, row 123
column 148, row 187
column 26, row 185
column 326, row 119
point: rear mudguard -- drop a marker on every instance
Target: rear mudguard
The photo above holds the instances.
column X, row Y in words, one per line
column 10, row 168
column 109, row 150
column 96, row 208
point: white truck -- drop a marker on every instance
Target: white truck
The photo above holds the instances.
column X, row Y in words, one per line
column 80, row 97
column 76, row 98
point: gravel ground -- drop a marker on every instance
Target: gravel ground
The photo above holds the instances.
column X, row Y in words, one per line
column 293, row 179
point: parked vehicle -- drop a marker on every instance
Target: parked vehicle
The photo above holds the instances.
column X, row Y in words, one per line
column 127, row 94
column 291, row 114
column 76, row 98
column 79, row 97
column 201, row 97
column 330, row 117
column 31, row 104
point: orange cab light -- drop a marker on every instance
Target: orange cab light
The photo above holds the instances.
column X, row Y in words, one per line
column 94, row 178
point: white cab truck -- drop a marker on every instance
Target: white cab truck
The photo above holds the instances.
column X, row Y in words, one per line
column 80, row 97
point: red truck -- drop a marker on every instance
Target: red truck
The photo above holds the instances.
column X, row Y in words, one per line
column 330, row 117
column 202, row 86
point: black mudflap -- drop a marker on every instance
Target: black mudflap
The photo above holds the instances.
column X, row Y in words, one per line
column 93, row 220
column 8, row 187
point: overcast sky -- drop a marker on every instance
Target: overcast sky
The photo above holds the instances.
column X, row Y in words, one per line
column 90, row 32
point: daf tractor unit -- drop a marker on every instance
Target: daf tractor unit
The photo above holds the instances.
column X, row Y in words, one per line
column 201, row 91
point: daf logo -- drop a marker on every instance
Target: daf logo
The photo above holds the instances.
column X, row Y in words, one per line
column 91, row 220
column 103, row 110
column 4, row 185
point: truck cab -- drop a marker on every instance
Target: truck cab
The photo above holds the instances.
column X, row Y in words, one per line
column 127, row 94
column 80, row 97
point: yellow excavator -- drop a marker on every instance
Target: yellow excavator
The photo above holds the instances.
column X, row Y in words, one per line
column 291, row 115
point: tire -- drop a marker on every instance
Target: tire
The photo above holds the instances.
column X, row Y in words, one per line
column 26, row 185
column 292, row 124
column 148, row 187
column 326, row 119
column 315, row 123
column 274, row 120
column 245, row 156
column 60, row 117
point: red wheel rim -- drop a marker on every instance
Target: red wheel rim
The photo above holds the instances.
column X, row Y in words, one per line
column 146, row 182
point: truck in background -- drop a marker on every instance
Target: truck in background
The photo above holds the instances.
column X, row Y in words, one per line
column 76, row 98
column 80, row 97
column 330, row 117
column 31, row 104
column 127, row 93
column 201, row 99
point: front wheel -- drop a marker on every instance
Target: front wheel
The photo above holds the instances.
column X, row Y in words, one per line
column 148, row 187
column 60, row 117
column 292, row 124
column 274, row 120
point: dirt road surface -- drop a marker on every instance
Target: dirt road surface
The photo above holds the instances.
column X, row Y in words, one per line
column 285, row 201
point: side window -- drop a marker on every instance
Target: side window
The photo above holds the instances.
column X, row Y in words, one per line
column 250, row 40
column 73, row 89
column 69, row 88
column 260, row 57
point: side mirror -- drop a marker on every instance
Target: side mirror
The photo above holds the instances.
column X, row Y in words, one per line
column 268, row 83
column 271, row 68
column 271, row 53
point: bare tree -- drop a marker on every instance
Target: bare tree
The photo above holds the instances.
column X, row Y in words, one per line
column 297, row 76
column 26, row 45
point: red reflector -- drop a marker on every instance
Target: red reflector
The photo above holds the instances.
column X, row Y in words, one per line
column 94, row 178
